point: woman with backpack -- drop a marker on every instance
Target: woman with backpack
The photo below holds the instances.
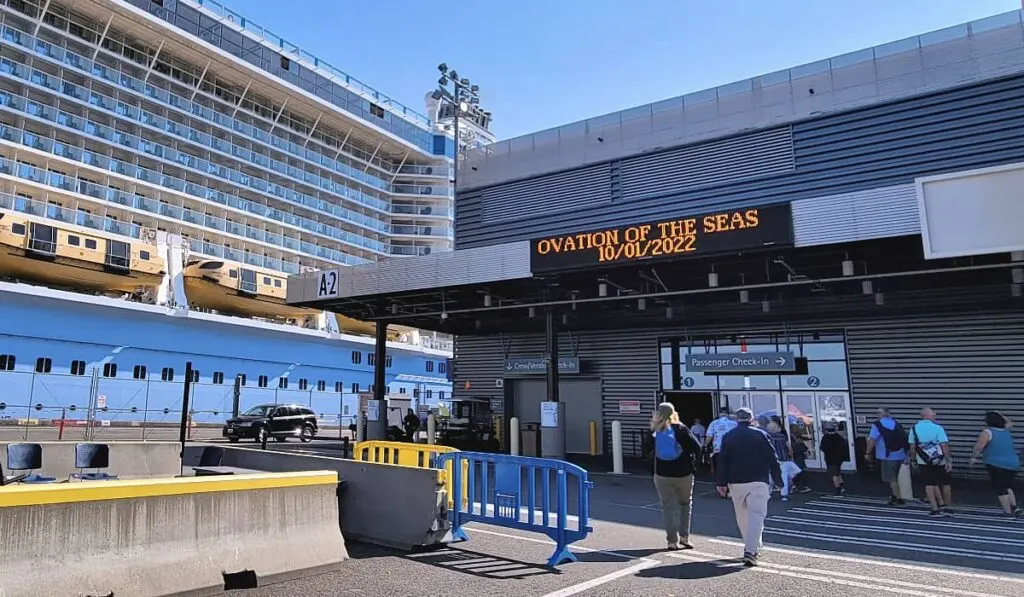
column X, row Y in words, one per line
column 675, row 449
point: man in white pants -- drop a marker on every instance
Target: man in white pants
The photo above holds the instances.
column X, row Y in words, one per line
column 780, row 443
column 745, row 464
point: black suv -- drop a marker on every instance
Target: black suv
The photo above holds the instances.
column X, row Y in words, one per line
column 279, row 421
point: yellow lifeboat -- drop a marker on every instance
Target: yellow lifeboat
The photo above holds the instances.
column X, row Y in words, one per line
column 69, row 256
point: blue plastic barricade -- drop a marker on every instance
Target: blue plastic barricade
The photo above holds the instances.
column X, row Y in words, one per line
column 494, row 485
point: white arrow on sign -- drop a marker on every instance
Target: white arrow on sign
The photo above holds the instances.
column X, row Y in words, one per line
column 781, row 361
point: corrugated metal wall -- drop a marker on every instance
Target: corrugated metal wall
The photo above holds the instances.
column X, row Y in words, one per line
column 870, row 148
column 861, row 215
column 547, row 194
column 719, row 162
column 961, row 366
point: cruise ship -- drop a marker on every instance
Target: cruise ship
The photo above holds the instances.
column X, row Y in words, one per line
column 164, row 165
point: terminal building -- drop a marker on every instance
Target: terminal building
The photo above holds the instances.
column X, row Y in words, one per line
column 814, row 244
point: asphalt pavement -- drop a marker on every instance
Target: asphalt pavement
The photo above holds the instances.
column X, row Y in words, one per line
column 815, row 545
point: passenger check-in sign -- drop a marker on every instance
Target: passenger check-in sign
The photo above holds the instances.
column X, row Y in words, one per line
column 780, row 362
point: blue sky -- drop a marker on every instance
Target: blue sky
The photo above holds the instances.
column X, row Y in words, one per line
column 543, row 63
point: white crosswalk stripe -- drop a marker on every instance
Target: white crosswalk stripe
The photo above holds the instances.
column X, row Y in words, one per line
column 971, row 533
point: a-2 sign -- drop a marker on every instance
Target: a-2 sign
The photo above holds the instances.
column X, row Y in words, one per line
column 327, row 284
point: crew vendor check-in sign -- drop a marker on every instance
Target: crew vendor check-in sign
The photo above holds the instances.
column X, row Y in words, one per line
column 718, row 232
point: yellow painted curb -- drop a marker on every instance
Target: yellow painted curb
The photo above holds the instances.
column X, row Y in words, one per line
column 91, row 491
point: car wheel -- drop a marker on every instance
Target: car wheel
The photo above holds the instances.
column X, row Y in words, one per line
column 233, row 440
column 307, row 434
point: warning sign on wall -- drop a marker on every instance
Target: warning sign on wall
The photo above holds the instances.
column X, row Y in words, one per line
column 629, row 407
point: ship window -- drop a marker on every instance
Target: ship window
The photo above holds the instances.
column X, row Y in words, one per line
column 118, row 254
column 282, row 383
column 357, row 357
column 387, row 389
column 430, row 366
column 266, row 280
column 77, row 367
column 73, row 240
column 415, row 393
column 233, row 273
column 371, row 358
column 376, row 110
column 262, row 381
column 44, row 365
column 440, row 395
column 139, row 372
column 387, row 361
column 285, row 62
column 277, row 283
column 401, row 390
column 212, row 265
column 7, row 362
column 355, row 388
column 241, row 379
column 338, row 387
column 18, row 228
column 167, row 374
column 442, row 367
column 144, row 255
column 321, row 386
column 195, row 376
column 248, row 283
column 110, row 370
column 303, row 384
column 218, row 377
column 90, row 243
column 42, row 238
column 430, row 394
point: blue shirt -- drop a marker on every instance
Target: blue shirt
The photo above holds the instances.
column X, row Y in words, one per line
column 1000, row 452
column 927, row 433
column 717, row 430
column 880, row 451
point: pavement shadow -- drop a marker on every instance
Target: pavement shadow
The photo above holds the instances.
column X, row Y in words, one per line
column 693, row 570
column 617, row 555
column 479, row 564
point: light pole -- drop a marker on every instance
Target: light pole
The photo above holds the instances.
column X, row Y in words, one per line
column 461, row 96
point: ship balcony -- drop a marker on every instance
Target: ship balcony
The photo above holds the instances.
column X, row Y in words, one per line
column 181, row 159
column 420, row 190
column 427, row 211
column 441, row 232
column 191, row 109
column 410, row 251
column 38, row 175
column 424, row 171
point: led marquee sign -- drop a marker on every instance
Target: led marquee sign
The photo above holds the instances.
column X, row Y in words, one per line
column 719, row 232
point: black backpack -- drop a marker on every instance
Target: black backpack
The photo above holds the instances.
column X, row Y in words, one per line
column 895, row 439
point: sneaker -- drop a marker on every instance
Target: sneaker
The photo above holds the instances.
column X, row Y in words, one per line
column 750, row 559
column 948, row 511
column 685, row 544
column 892, row 500
column 901, row 502
column 805, row 489
column 673, row 547
column 935, row 513
column 842, row 490
column 785, row 498
column 1018, row 512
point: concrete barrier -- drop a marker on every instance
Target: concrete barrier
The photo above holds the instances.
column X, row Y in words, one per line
column 128, row 460
column 153, row 537
column 384, row 504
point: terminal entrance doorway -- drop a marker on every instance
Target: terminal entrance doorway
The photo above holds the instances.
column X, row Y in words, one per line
column 693, row 405
column 808, row 416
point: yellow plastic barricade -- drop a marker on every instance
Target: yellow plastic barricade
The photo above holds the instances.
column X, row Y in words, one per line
column 415, row 455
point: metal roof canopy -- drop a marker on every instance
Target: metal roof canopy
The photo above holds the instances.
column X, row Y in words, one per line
column 640, row 294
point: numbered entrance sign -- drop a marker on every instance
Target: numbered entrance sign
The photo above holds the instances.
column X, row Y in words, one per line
column 327, row 284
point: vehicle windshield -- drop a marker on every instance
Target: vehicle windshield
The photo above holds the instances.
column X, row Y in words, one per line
column 260, row 411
